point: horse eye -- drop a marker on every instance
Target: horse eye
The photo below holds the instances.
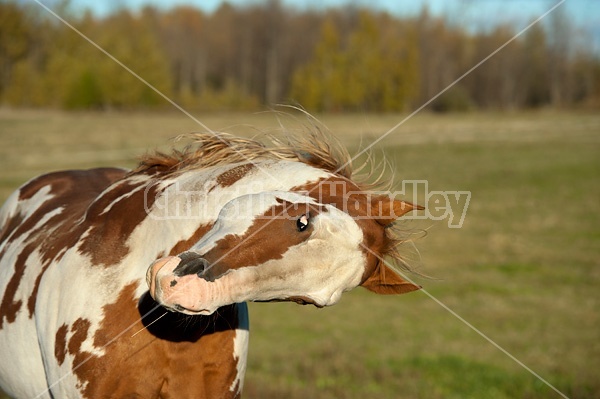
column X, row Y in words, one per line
column 302, row 222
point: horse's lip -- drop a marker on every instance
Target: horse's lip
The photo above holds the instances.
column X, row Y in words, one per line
column 180, row 309
column 300, row 300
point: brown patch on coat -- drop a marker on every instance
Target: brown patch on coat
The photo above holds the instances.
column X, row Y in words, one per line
column 161, row 356
column 186, row 244
column 61, row 182
column 60, row 344
column 106, row 242
column 9, row 307
column 231, row 176
column 79, row 331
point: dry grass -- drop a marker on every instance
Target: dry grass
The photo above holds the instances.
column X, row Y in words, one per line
column 524, row 268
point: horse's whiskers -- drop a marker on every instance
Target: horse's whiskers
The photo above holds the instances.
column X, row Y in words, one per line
column 145, row 327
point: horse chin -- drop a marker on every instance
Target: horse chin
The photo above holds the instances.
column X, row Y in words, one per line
column 304, row 300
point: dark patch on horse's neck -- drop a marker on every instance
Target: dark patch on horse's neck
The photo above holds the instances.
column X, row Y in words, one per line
column 179, row 327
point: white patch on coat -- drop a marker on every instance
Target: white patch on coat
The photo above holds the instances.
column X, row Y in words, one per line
column 25, row 208
column 24, row 351
column 240, row 347
column 131, row 180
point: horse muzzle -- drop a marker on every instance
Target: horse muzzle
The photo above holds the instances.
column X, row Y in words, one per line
column 178, row 283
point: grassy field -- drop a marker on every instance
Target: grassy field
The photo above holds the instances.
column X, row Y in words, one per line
column 524, row 268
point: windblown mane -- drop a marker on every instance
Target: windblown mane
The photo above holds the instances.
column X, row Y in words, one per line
column 210, row 149
column 313, row 146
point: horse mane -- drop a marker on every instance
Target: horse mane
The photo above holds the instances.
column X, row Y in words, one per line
column 314, row 145
column 212, row 149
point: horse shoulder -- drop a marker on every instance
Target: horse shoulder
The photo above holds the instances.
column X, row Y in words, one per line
column 149, row 352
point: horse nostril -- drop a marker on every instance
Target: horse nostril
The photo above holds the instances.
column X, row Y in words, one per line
column 202, row 266
column 191, row 263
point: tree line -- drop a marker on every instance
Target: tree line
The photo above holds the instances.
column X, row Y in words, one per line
column 246, row 57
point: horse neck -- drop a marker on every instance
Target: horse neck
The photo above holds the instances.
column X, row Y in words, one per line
column 181, row 209
column 197, row 196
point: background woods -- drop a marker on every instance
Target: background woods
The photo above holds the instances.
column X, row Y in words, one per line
column 341, row 59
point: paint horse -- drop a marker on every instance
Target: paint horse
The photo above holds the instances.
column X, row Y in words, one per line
column 88, row 257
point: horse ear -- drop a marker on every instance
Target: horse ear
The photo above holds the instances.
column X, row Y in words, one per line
column 385, row 209
column 385, row 281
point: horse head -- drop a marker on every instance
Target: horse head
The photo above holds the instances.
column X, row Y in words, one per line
column 307, row 246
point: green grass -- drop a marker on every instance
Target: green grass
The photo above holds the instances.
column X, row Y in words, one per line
column 524, row 268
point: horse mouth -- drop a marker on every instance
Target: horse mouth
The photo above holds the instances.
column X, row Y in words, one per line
column 180, row 309
column 300, row 300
